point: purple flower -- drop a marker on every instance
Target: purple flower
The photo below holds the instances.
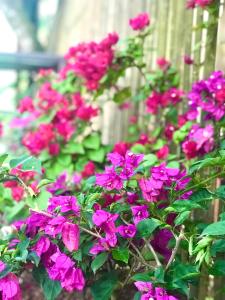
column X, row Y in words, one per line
column 41, row 246
column 110, row 180
column 59, row 184
column 54, row 226
column 151, row 293
column 74, row 280
column 105, row 220
column 116, row 159
column 150, row 188
column 127, row 231
column 140, row 212
column 101, row 246
column 65, row 204
column 71, row 236
column 9, row 288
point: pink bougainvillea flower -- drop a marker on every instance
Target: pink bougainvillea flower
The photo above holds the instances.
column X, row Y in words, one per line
column 163, row 152
column 26, row 105
column 9, row 287
column 71, row 236
column 42, row 245
column 140, row 22
column 65, row 204
column 150, row 188
column 109, row 180
column 74, row 280
column 90, row 61
column 54, row 226
column 54, row 149
column 89, row 170
column 140, row 212
column 188, row 60
column 163, row 63
column 127, row 231
column 105, row 220
column 150, row 293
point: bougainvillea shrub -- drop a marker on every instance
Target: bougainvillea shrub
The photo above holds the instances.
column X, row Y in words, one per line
column 118, row 218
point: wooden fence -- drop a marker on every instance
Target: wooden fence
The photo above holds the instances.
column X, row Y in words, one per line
column 177, row 31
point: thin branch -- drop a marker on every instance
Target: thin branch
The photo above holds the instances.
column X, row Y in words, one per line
column 140, row 255
column 174, row 252
column 153, row 253
column 90, row 232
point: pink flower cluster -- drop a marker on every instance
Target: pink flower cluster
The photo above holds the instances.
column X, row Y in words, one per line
column 123, row 167
column 161, row 100
column 201, row 3
column 9, row 285
column 209, row 95
column 57, row 223
column 68, row 113
column 59, row 266
column 91, row 61
column 199, row 141
column 149, row 292
column 140, row 22
column 162, row 178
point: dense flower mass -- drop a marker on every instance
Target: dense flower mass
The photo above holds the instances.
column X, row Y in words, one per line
column 199, row 141
column 209, row 95
column 91, row 61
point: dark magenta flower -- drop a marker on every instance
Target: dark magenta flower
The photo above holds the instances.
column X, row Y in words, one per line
column 127, row 231
column 110, row 180
column 64, row 204
column 9, row 288
column 139, row 212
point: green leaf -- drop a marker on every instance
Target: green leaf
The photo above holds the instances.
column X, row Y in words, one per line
column 218, row 247
column 207, row 162
column 218, row 269
column 22, row 249
column 182, row 217
column 147, row 226
column 159, row 274
column 6, row 271
column 137, row 148
column 122, row 95
column 97, row 155
column 28, row 163
column 3, row 158
column 137, row 296
column 121, row 254
column 181, row 205
column 73, row 148
column 51, row 288
column 16, row 212
column 217, row 228
column 99, row 261
column 103, row 288
column 64, row 159
column 92, row 141
column 220, row 192
column 201, row 195
column 33, row 257
column 141, row 277
column 184, row 272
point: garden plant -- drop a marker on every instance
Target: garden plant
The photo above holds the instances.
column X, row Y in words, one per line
column 132, row 216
